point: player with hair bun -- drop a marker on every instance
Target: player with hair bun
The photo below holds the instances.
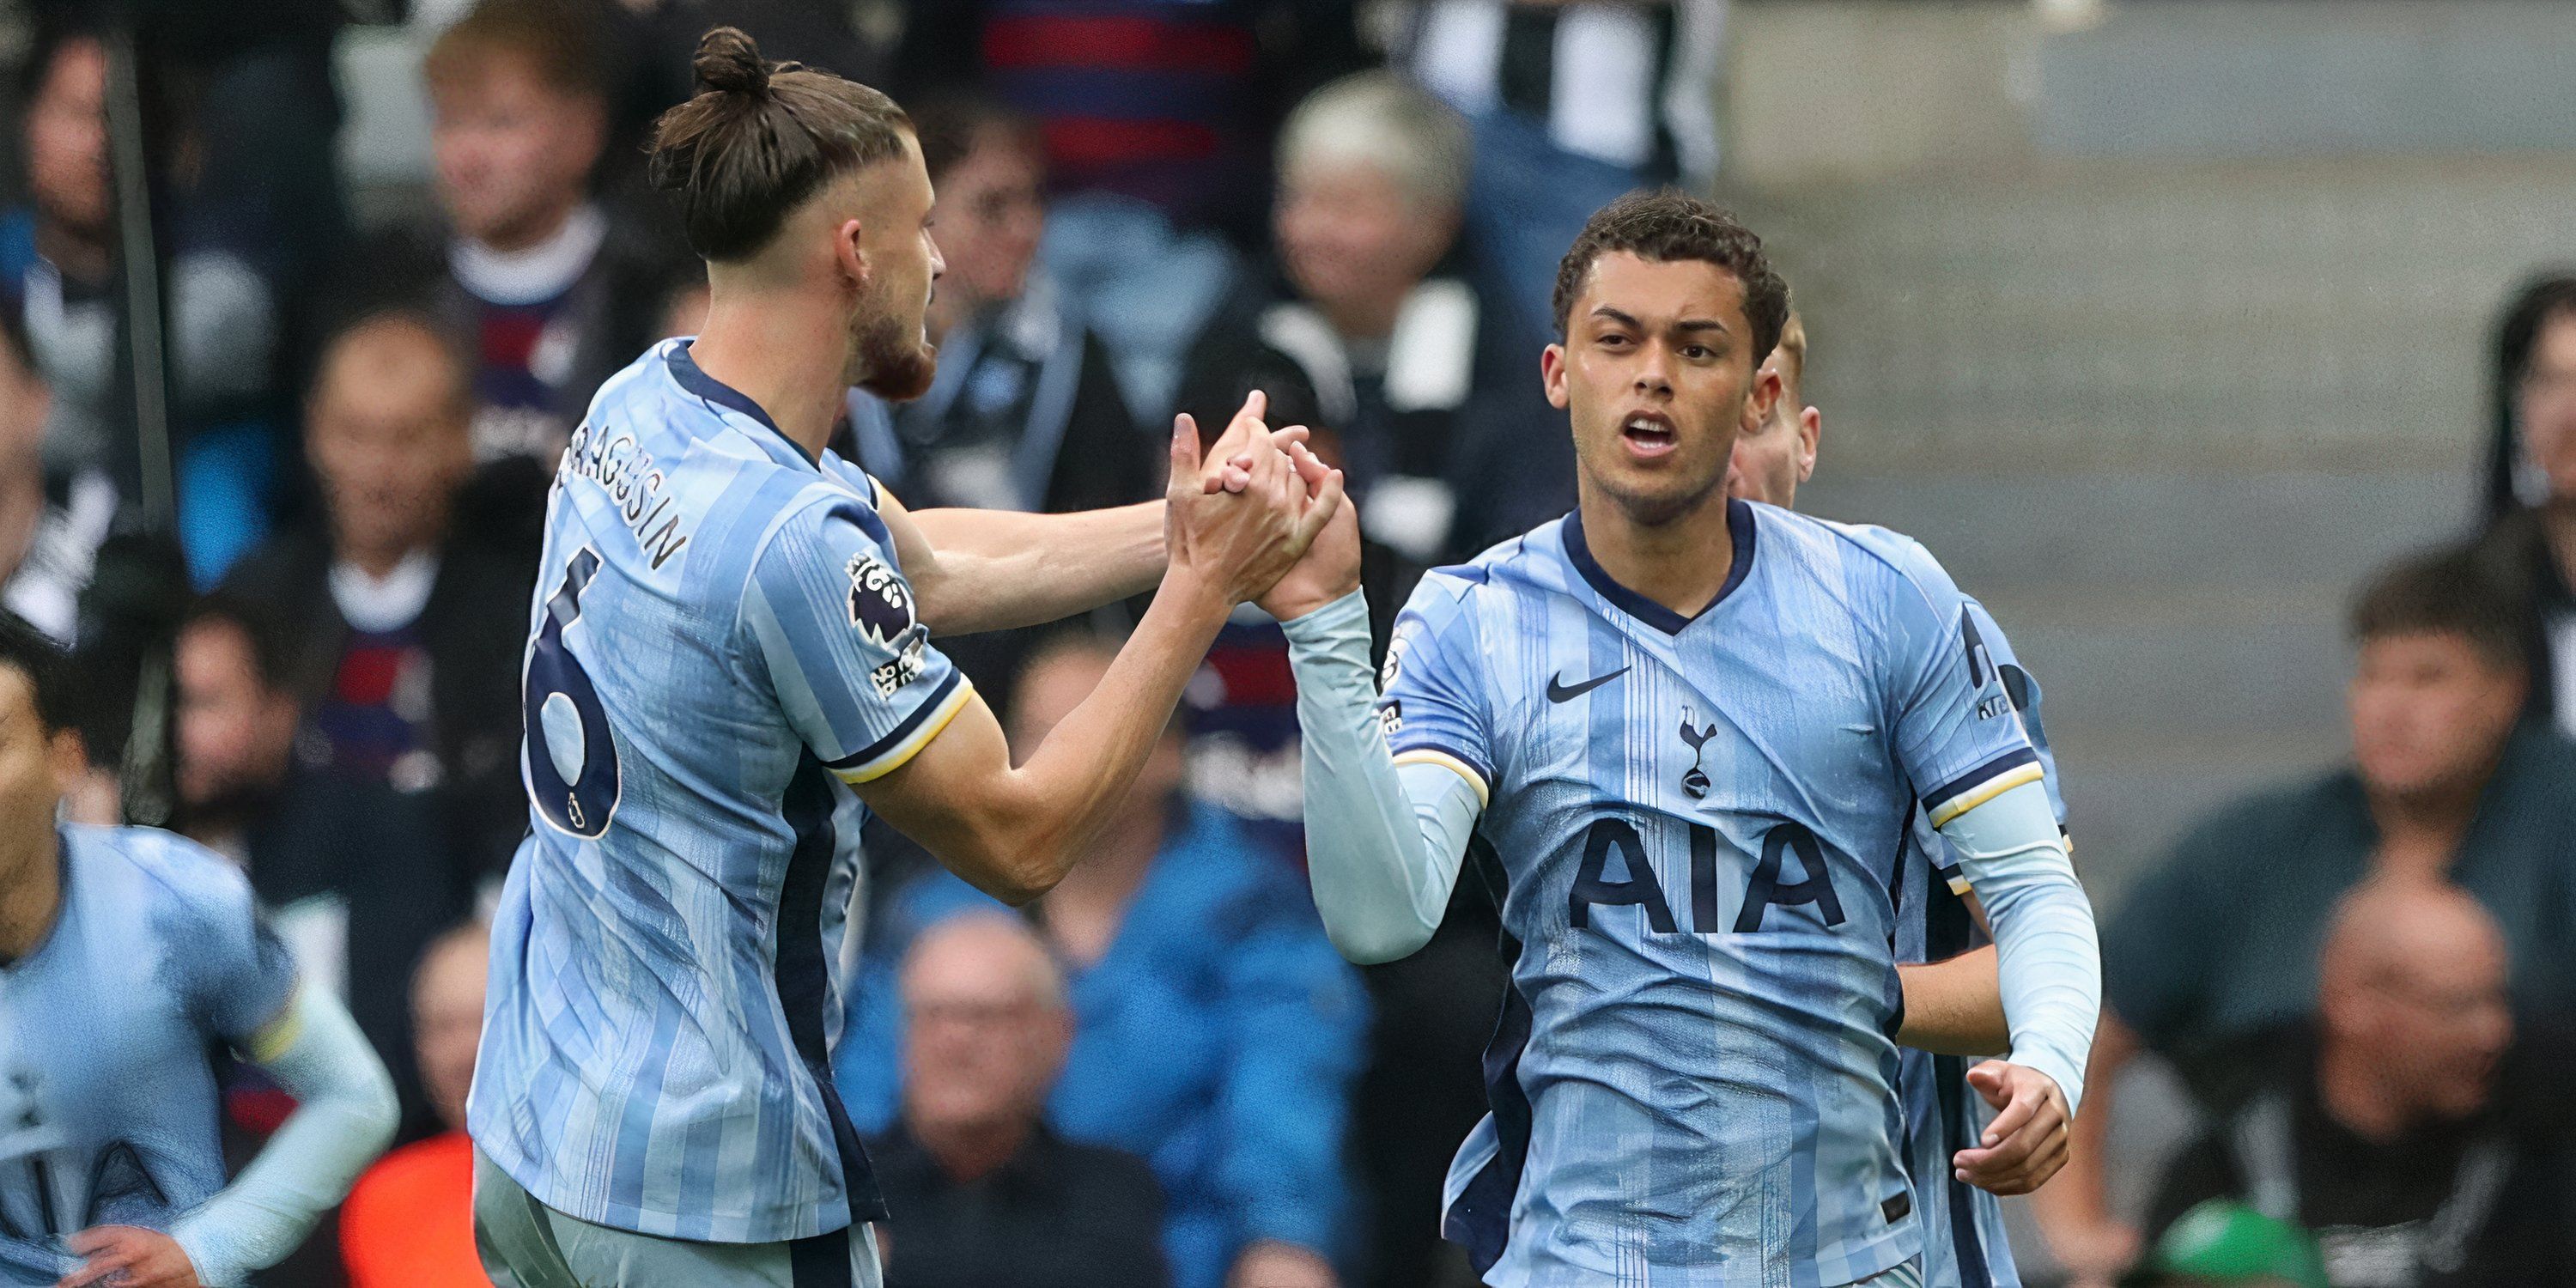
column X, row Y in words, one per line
column 730, row 661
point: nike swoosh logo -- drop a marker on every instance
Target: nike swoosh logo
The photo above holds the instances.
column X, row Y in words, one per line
column 1559, row 691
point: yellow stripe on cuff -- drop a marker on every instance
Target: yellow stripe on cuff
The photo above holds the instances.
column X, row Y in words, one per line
column 271, row 1042
column 902, row 753
column 1992, row 788
column 1426, row 756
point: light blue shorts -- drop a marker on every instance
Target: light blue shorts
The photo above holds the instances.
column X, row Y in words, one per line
column 526, row 1244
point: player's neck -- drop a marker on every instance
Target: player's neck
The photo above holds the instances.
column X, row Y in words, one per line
column 31, row 898
column 1680, row 563
column 786, row 358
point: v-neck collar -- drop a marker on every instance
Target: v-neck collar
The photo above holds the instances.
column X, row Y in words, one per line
column 1739, row 525
column 694, row 378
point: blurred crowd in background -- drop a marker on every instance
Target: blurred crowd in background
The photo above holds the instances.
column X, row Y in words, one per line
column 1162, row 1073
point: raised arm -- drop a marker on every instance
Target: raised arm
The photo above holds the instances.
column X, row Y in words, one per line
column 987, row 570
column 1014, row 830
column 1384, row 841
column 984, row 570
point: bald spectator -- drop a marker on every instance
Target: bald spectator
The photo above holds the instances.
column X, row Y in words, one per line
column 409, row 1223
column 980, row 1189
column 406, row 604
column 2446, row 781
column 2404, row 1125
column 1217, row 1035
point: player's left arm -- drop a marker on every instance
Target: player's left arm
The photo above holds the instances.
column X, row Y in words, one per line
column 1956, row 1006
column 1957, row 729
column 985, row 570
column 345, row 1115
column 2049, row 967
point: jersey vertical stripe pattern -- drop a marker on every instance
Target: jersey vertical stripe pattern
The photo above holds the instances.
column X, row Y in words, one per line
column 1695, row 823
column 1964, row 1241
column 721, row 641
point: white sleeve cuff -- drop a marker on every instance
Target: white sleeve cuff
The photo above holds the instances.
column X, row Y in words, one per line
column 2048, row 958
column 344, row 1116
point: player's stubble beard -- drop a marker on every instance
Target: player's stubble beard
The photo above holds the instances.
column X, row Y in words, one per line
column 1598, row 464
column 888, row 356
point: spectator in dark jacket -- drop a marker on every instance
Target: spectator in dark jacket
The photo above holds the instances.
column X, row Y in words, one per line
column 2408, row 1129
column 1426, row 386
column 1025, row 413
column 2446, row 782
column 356, row 879
column 408, row 602
column 980, row 1190
column 553, row 292
column 1217, row 1034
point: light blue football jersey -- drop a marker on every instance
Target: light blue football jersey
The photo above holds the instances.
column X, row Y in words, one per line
column 109, row 1112
column 1697, row 825
column 721, row 641
column 1964, row 1241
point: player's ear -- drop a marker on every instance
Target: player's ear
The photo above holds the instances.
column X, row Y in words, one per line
column 1551, row 374
column 1811, row 431
column 1759, row 398
column 849, row 255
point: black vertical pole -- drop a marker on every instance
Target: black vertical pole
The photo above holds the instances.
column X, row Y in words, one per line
column 145, row 777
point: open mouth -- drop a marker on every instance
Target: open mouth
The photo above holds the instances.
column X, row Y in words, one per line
column 1649, row 433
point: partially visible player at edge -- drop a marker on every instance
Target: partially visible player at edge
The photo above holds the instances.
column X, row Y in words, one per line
column 729, row 661
column 1688, row 735
column 127, row 954
column 1953, row 1005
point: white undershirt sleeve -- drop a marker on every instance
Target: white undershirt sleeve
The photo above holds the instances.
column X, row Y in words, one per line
column 344, row 1115
column 1383, row 844
column 2048, row 960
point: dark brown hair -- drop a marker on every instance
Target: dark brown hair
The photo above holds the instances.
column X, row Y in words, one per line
column 560, row 39
column 2451, row 591
column 759, row 139
column 1670, row 225
column 953, row 123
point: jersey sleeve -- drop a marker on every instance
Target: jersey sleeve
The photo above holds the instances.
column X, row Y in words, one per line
column 832, row 621
column 2023, row 689
column 1958, row 737
column 240, row 975
column 1430, row 701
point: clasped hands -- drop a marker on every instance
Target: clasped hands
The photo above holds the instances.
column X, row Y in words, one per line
column 1251, row 508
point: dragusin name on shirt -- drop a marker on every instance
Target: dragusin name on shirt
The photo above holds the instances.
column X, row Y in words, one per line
column 633, row 481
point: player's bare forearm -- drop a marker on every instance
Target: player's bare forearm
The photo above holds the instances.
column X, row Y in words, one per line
column 996, row 569
column 1955, row 1007
column 1013, row 832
